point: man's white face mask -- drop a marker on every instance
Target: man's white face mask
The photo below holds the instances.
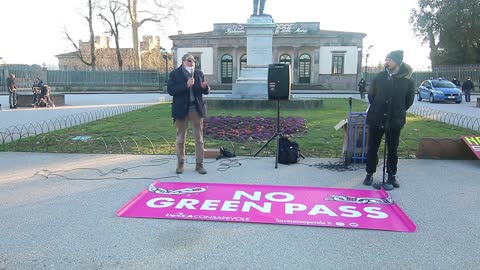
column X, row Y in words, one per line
column 189, row 69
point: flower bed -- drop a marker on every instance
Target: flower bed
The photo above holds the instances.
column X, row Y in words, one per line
column 238, row 128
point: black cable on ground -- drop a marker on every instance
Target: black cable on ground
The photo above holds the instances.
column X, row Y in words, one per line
column 223, row 165
column 336, row 166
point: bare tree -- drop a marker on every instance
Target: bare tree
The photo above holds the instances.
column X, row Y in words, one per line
column 154, row 11
column 113, row 14
column 78, row 49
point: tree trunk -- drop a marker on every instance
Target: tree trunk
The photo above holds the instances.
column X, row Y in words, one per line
column 132, row 10
column 433, row 47
column 136, row 46
column 93, row 58
column 117, row 41
column 119, row 55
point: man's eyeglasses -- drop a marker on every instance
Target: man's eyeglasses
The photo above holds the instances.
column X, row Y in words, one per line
column 191, row 60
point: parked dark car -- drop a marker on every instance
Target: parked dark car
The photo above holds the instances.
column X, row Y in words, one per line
column 439, row 91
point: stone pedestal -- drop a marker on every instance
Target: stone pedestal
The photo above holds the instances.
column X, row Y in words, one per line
column 252, row 82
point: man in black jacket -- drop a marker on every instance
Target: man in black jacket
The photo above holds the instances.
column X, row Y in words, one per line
column 391, row 95
column 187, row 85
column 456, row 82
column 467, row 88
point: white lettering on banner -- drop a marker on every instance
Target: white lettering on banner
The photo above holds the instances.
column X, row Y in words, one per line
column 291, row 207
column 349, row 211
column 271, row 197
column 230, row 206
column 208, row 204
column 267, row 207
column 375, row 212
column 167, row 202
column 476, row 148
column 321, row 209
column 187, row 203
column 238, row 195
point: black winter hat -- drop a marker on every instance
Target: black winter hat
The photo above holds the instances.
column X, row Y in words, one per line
column 396, row 56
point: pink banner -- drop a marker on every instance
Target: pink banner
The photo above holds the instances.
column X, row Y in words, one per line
column 288, row 205
column 473, row 142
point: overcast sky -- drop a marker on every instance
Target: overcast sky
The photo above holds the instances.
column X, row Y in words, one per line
column 31, row 30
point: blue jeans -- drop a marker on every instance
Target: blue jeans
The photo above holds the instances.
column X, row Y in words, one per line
column 12, row 98
column 34, row 98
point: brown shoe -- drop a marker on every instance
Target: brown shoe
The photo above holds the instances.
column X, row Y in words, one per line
column 180, row 167
column 200, row 169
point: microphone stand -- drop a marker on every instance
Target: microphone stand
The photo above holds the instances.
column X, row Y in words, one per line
column 384, row 185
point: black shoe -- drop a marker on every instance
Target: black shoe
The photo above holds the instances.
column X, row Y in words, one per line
column 392, row 179
column 368, row 180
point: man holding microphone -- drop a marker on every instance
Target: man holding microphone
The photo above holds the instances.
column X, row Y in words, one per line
column 187, row 85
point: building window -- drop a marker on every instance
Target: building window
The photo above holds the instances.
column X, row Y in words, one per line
column 285, row 59
column 227, row 68
column 243, row 61
column 338, row 62
column 305, row 68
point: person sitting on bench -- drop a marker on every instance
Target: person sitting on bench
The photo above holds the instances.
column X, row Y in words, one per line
column 37, row 85
column 44, row 97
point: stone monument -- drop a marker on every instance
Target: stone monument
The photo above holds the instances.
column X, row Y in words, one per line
column 252, row 82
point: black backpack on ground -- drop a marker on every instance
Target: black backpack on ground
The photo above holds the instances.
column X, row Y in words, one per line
column 289, row 152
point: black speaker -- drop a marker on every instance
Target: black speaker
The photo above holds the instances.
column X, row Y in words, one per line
column 279, row 81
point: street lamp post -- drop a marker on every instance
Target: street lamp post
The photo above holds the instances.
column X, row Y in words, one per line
column 359, row 65
column 165, row 57
column 367, row 55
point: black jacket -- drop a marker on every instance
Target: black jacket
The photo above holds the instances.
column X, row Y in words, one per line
column 177, row 87
column 467, row 85
column 391, row 96
column 362, row 86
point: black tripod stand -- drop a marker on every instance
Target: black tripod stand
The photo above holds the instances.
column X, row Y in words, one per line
column 384, row 184
column 277, row 136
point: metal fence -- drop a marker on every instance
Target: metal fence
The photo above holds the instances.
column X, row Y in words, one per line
column 455, row 119
column 105, row 78
column 72, row 78
column 22, row 131
column 24, row 77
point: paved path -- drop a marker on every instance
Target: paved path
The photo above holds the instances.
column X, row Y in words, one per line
column 71, row 224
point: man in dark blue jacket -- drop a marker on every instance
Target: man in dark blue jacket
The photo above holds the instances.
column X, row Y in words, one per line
column 187, row 85
column 391, row 95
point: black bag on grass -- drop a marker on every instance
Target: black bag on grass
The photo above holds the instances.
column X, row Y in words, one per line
column 289, row 152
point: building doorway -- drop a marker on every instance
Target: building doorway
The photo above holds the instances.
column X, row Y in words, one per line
column 227, row 68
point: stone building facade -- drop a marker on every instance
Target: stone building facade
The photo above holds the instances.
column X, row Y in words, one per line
column 150, row 52
column 318, row 57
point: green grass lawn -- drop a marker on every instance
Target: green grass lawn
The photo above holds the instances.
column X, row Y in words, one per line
column 151, row 131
